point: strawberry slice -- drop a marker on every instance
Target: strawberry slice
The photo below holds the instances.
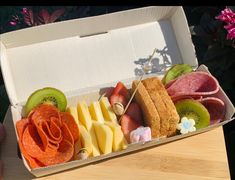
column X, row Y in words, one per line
column 135, row 112
column 118, row 98
column 127, row 125
column 122, row 90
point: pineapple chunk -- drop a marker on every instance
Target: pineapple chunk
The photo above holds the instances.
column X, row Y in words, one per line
column 85, row 118
column 84, row 115
column 95, row 111
column 118, row 137
column 104, row 136
column 107, row 111
column 96, row 150
column 86, row 141
column 73, row 111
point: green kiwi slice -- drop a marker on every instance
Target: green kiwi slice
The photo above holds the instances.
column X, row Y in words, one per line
column 193, row 109
column 176, row 71
column 47, row 95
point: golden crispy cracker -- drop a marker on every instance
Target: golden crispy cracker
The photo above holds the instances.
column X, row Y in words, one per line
column 151, row 117
column 174, row 117
column 151, row 87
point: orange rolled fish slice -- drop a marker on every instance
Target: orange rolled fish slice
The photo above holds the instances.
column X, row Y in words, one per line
column 72, row 125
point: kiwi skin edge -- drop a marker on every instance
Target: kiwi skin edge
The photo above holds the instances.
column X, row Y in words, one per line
column 189, row 106
column 175, row 72
column 47, row 95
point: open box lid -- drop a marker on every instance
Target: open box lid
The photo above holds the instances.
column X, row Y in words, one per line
column 86, row 52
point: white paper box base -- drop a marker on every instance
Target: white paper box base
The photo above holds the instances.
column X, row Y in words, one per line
column 93, row 94
column 82, row 56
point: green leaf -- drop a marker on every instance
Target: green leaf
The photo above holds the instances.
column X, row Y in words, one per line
column 208, row 9
column 232, row 8
column 214, row 52
column 198, row 31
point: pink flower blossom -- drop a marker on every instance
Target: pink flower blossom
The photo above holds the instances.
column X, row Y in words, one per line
column 231, row 31
column 227, row 15
column 24, row 10
column 13, row 23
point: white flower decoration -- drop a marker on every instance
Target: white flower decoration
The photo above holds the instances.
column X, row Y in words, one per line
column 186, row 125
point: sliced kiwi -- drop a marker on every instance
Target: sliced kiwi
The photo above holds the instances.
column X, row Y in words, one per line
column 176, row 71
column 193, row 109
column 46, row 95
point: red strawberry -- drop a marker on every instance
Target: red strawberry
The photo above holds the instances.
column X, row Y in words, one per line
column 128, row 124
column 118, row 98
column 135, row 112
column 121, row 89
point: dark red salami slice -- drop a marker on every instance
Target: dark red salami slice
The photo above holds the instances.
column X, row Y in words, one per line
column 215, row 107
column 182, row 97
column 195, row 83
column 202, row 87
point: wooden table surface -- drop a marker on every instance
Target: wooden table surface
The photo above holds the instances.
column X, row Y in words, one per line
column 199, row 157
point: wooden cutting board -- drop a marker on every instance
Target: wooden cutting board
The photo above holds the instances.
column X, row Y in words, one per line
column 199, row 157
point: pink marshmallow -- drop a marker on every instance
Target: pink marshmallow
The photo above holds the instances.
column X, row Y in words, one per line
column 141, row 134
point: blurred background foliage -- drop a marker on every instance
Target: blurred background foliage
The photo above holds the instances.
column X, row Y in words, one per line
column 208, row 35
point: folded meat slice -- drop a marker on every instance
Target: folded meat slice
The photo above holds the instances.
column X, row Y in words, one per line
column 195, row 84
column 182, row 97
column 215, row 107
column 202, row 87
column 47, row 136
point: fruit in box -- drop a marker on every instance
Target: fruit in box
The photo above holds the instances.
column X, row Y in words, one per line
column 176, row 71
column 73, row 111
column 47, row 95
column 97, row 130
column 127, row 125
column 107, row 111
column 95, row 111
column 85, row 137
column 85, row 119
column 118, row 98
column 84, row 114
column 121, row 90
column 86, row 140
column 193, row 109
column 119, row 141
column 104, row 137
column 134, row 111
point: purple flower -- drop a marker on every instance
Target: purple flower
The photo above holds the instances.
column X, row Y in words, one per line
column 227, row 15
column 24, row 10
column 13, row 23
column 231, row 31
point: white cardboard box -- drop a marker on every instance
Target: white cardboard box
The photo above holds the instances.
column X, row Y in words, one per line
column 82, row 56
